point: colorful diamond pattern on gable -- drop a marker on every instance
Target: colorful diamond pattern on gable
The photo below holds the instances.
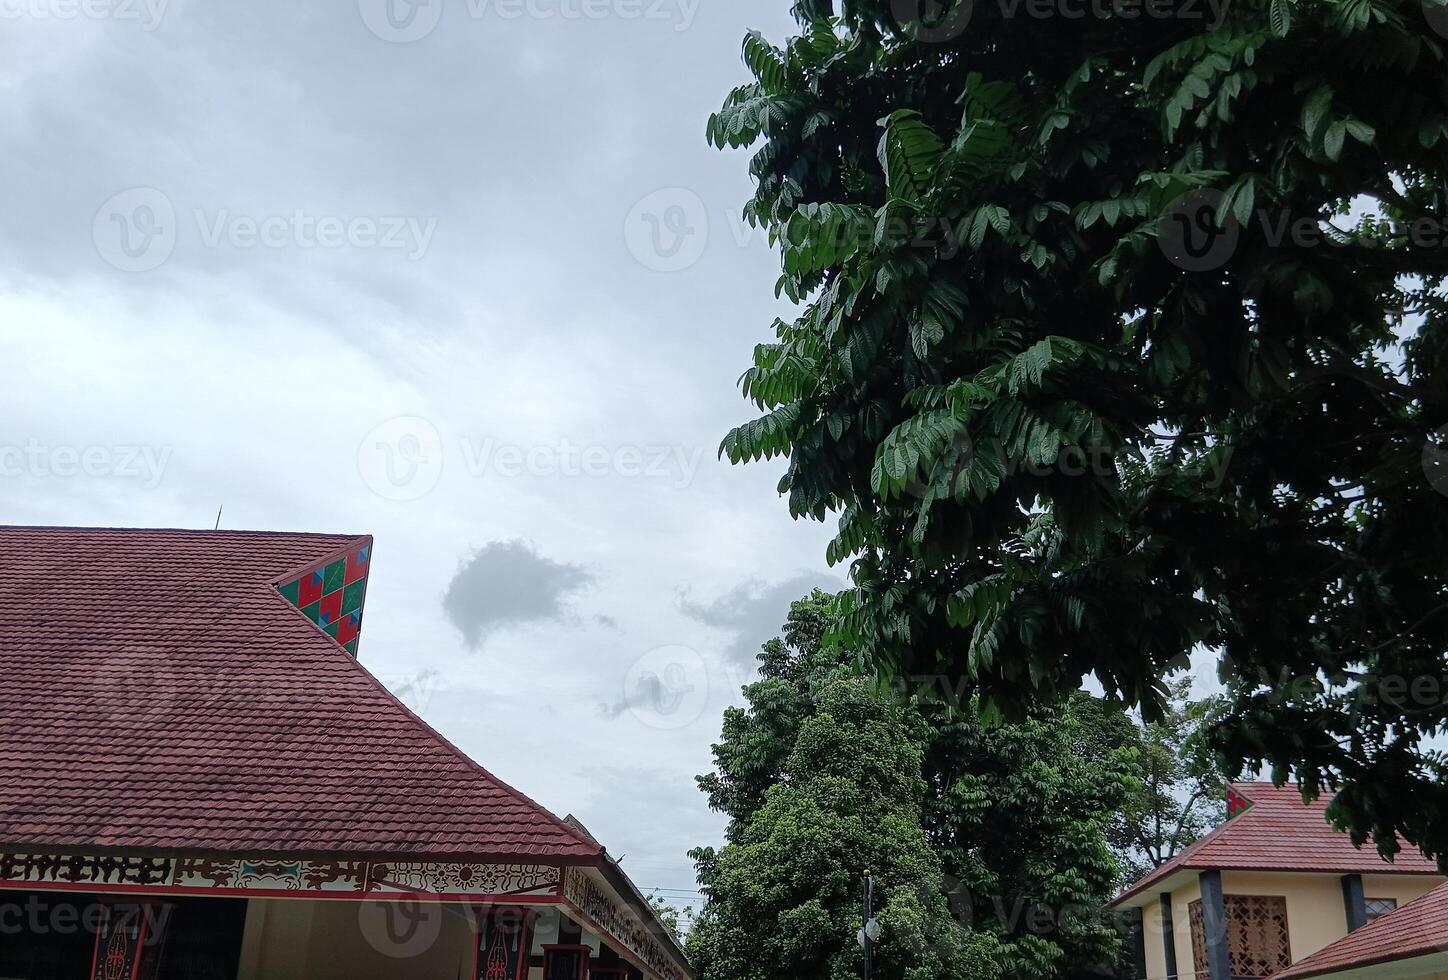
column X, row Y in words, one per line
column 332, row 596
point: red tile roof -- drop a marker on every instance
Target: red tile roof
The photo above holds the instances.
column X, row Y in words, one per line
column 1279, row 832
column 1416, row 929
column 157, row 693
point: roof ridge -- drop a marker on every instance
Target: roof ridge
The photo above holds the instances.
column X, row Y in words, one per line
column 336, row 762
column 1267, row 814
column 182, row 530
column 341, row 552
column 1306, row 966
column 1178, row 861
column 467, row 759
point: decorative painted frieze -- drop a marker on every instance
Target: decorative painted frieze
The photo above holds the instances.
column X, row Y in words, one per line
column 334, row 878
column 487, row 879
column 305, row 876
column 83, row 870
column 621, row 923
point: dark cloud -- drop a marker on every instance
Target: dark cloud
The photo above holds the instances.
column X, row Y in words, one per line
column 507, row 583
column 755, row 611
column 647, row 691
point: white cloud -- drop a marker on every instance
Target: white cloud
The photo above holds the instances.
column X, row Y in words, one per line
column 527, row 321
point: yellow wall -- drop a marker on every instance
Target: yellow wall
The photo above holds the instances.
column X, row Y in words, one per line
column 294, row 939
column 1151, row 940
column 1156, row 965
column 1316, row 916
column 1404, row 888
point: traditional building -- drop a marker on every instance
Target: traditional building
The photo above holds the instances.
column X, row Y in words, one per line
column 1266, row 890
column 1408, row 944
column 198, row 779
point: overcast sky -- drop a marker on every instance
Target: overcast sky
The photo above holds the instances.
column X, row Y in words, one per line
column 462, row 275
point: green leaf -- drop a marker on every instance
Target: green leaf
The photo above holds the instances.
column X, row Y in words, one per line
column 1314, row 111
column 909, row 151
column 1281, row 17
column 1361, row 131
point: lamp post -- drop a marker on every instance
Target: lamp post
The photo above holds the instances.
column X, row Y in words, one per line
column 869, row 929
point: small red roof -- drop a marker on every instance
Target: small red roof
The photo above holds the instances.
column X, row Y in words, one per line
column 1416, row 929
column 1279, row 832
column 157, row 693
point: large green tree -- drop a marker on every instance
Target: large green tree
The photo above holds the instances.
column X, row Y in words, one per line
column 1179, row 793
column 1122, row 336
column 988, row 844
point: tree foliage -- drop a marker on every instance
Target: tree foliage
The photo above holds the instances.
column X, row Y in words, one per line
column 988, row 845
column 1179, row 793
column 676, row 918
column 1054, row 444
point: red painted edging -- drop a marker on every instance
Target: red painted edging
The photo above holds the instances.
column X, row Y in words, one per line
column 376, row 895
